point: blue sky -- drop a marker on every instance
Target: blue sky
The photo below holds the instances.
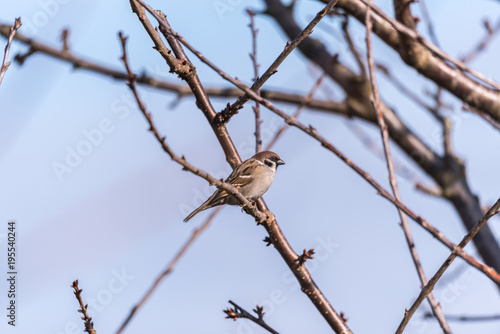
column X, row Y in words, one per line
column 113, row 219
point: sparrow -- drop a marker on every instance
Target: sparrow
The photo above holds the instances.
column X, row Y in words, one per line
column 252, row 178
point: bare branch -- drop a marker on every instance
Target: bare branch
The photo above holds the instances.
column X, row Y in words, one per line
column 436, row 308
column 253, row 56
column 468, row 318
column 484, row 42
column 239, row 312
column 448, row 172
column 408, row 92
column 432, row 282
column 225, row 115
column 89, row 325
column 432, row 62
column 430, row 25
column 180, row 64
column 245, row 203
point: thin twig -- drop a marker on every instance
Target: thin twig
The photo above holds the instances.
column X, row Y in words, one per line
column 225, row 115
column 436, row 308
column 180, row 64
column 430, row 25
column 239, row 312
column 445, row 122
column 468, row 318
column 354, row 50
column 311, row 131
column 483, row 43
column 481, row 114
column 432, row 282
column 180, row 89
column 413, row 34
column 89, row 325
column 5, row 62
column 253, row 56
column 170, row 267
column 410, row 93
column 436, row 192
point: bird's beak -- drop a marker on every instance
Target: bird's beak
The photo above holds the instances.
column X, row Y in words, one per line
column 280, row 162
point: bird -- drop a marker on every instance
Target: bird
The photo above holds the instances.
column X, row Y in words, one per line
column 252, row 178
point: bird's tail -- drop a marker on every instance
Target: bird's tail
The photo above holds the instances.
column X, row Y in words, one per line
column 217, row 198
column 195, row 212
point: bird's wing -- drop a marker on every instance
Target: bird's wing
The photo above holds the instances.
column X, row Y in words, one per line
column 240, row 177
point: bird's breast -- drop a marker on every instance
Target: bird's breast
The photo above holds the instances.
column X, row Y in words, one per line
column 261, row 183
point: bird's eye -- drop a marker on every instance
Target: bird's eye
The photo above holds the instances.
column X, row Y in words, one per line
column 269, row 163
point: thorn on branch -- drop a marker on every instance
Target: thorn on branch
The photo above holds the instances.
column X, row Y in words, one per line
column 306, row 255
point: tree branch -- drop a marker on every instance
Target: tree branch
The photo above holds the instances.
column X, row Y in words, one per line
column 180, row 64
column 239, row 312
column 89, row 325
column 6, row 62
column 253, row 57
column 225, row 115
column 448, row 171
column 436, row 308
column 432, row 282
column 181, row 90
column 430, row 61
